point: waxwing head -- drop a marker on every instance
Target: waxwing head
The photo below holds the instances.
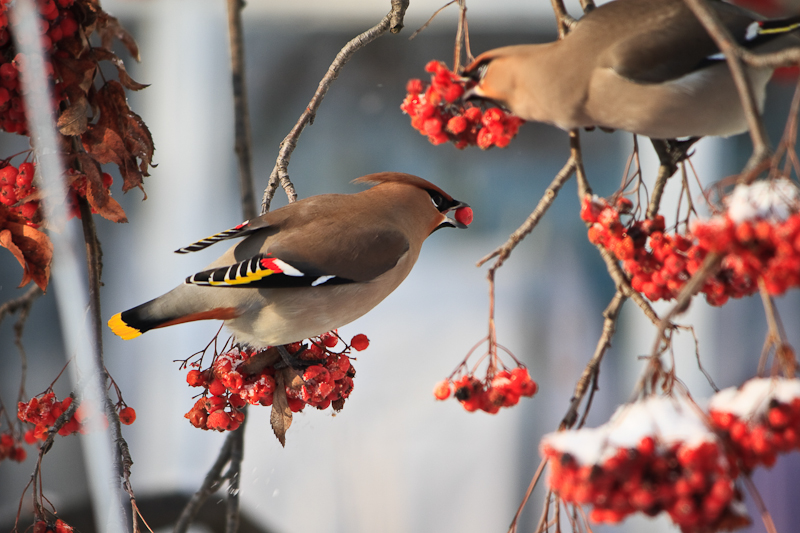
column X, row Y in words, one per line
column 424, row 199
column 495, row 74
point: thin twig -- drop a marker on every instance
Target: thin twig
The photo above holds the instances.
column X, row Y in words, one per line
column 733, row 55
column 784, row 354
column 280, row 174
column 708, row 268
column 766, row 517
column 503, row 252
column 428, row 23
column 243, row 141
column 209, row 486
column 23, row 306
column 664, row 173
column 234, row 476
column 611, row 313
column 531, row 486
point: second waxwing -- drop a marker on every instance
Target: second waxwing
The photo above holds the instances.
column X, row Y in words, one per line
column 309, row 267
column 643, row 66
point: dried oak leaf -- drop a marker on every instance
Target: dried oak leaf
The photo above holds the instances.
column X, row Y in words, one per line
column 119, row 136
column 31, row 247
column 281, row 416
column 101, row 54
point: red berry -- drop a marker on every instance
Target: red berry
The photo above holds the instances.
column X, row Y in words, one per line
column 216, row 388
column 127, row 416
column 442, row 390
column 464, row 215
column 360, row 342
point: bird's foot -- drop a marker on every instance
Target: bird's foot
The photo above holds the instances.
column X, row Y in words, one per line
column 672, row 151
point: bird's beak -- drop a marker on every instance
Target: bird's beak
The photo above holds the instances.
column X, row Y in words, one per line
column 462, row 216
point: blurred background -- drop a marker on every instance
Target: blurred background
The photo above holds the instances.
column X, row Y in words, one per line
column 394, row 460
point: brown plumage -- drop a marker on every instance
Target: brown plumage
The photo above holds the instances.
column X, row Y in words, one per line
column 306, row 268
column 644, row 66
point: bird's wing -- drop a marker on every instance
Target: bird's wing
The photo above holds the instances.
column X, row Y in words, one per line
column 360, row 255
column 668, row 42
column 242, row 230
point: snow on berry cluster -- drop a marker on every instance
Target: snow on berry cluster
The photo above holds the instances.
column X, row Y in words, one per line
column 11, row 448
column 57, row 22
column 43, row 410
column 326, row 381
column 436, row 110
column 59, row 526
column 759, row 235
column 656, row 455
column 762, row 419
column 502, row 389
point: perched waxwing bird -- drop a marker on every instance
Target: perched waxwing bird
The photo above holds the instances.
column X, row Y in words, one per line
column 309, row 267
column 643, row 66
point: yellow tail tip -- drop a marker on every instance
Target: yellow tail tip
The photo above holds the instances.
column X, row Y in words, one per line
column 121, row 329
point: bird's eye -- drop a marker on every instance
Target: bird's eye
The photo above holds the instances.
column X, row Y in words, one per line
column 481, row 71
column 437, row 199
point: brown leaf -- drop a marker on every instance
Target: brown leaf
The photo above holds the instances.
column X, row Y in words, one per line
column 127, row 128
column 101, row 54
column 105, row 145
column 33, row 250
column 111, row 210
column 74, row 119
column 108, row 28
column 77, row 72
column 281, row 416
column 259, row 361
column 94, row 178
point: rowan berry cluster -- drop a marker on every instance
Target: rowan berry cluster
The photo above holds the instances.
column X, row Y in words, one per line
column 59, row 526
column 230, row 383
column 42, row 411
column 436, row 110
column 16, row 184
column 11, row 448
column 756, row 243
column 654, row 456
column 57, row 22
column 762, row 419
column 502, row 389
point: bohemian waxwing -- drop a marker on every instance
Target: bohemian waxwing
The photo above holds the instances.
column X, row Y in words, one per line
column 643, row 66
column 309, row 267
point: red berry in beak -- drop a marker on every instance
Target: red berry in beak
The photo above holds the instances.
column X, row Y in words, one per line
column 464, row 215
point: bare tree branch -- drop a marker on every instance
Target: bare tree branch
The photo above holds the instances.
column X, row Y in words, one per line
column 280, row 174
column 503, row 252
column 733, row 54
column 243, row 141
column 209, row 486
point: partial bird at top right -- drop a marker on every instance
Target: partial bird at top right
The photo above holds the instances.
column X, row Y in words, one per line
column 643, row 66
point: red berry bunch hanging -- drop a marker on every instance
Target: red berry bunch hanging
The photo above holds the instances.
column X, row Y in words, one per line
column 231, row 382
column 11, row 448
column 43, row 410
column 16, row 184
column 436, row 110
column 653, row 456
column 57, row 22
column 502, row 389
column 762, row 419
column 759, row 236
column 59, row 526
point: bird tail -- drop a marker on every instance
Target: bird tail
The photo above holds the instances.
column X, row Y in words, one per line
column 172, row 308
